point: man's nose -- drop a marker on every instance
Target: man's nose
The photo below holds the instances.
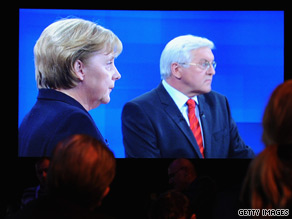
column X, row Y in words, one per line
column 211, row 70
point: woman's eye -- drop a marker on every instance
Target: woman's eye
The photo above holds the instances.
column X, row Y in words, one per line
column 111, row 61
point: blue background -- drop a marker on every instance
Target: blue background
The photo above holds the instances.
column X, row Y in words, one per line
column 249, row 50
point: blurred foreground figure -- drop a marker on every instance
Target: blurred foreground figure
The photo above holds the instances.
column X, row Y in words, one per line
column 81, row 171
column 268, row 184
column 171, row 205
column 29, row 194
column 200, row 190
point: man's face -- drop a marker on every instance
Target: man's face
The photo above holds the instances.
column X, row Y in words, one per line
column 177, row 178
column 42, row 170
column 196, row 79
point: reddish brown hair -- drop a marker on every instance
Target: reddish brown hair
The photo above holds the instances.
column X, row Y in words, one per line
column 81, row 169
column 277, row 119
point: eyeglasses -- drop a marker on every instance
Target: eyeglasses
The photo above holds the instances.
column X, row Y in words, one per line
column 204, row 65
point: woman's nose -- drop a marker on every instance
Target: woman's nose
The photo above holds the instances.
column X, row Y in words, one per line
column 116, row 75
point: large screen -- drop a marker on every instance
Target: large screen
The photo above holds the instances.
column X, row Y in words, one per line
column 249, row 51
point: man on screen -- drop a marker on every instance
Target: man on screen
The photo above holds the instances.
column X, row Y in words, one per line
column 182, row 117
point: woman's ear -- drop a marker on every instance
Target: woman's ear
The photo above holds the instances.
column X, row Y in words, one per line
column 79, row 69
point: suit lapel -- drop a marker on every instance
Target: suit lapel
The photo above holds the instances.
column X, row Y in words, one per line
column 206, row 123
column 175, row 114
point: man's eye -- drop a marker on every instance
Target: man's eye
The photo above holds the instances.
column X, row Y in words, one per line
column 205, row 64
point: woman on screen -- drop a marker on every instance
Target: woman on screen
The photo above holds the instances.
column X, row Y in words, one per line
column 75, row 72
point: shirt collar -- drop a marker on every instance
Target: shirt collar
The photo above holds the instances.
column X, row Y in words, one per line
column 178, row 97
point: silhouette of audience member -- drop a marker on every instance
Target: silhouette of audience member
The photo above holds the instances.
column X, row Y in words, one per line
column 171, row 205
column 79, row 177
column 29, row 194
column 200, row 190
column 277, row 119
column 268, row 183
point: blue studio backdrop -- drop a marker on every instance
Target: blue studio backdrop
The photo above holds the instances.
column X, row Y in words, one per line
column 249, row 51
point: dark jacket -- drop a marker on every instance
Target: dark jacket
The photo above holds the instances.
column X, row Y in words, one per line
column 154, row 127
column 54, row 117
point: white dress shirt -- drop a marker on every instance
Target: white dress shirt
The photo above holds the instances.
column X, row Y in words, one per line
column 181, row 102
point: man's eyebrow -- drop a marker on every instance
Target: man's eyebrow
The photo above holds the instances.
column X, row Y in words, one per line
column 203, row 59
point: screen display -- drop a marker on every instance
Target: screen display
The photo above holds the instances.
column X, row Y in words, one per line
column 249, row 51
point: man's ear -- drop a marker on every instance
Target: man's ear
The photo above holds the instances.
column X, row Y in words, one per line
column 193, row 216
column 79, row 69
column 176, row 70
column 106, row 192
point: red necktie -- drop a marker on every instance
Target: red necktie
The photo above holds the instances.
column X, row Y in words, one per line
column 195, row 125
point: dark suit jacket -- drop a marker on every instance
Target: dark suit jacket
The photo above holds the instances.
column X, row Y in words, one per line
column 153, row 127
column 54, row 117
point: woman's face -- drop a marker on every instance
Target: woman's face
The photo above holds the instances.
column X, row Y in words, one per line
column 100, row 74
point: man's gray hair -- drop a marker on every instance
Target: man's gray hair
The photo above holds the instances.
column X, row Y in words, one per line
column 178, row 51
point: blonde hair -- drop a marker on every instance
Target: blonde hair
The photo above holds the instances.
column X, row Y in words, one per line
column 64, row 42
